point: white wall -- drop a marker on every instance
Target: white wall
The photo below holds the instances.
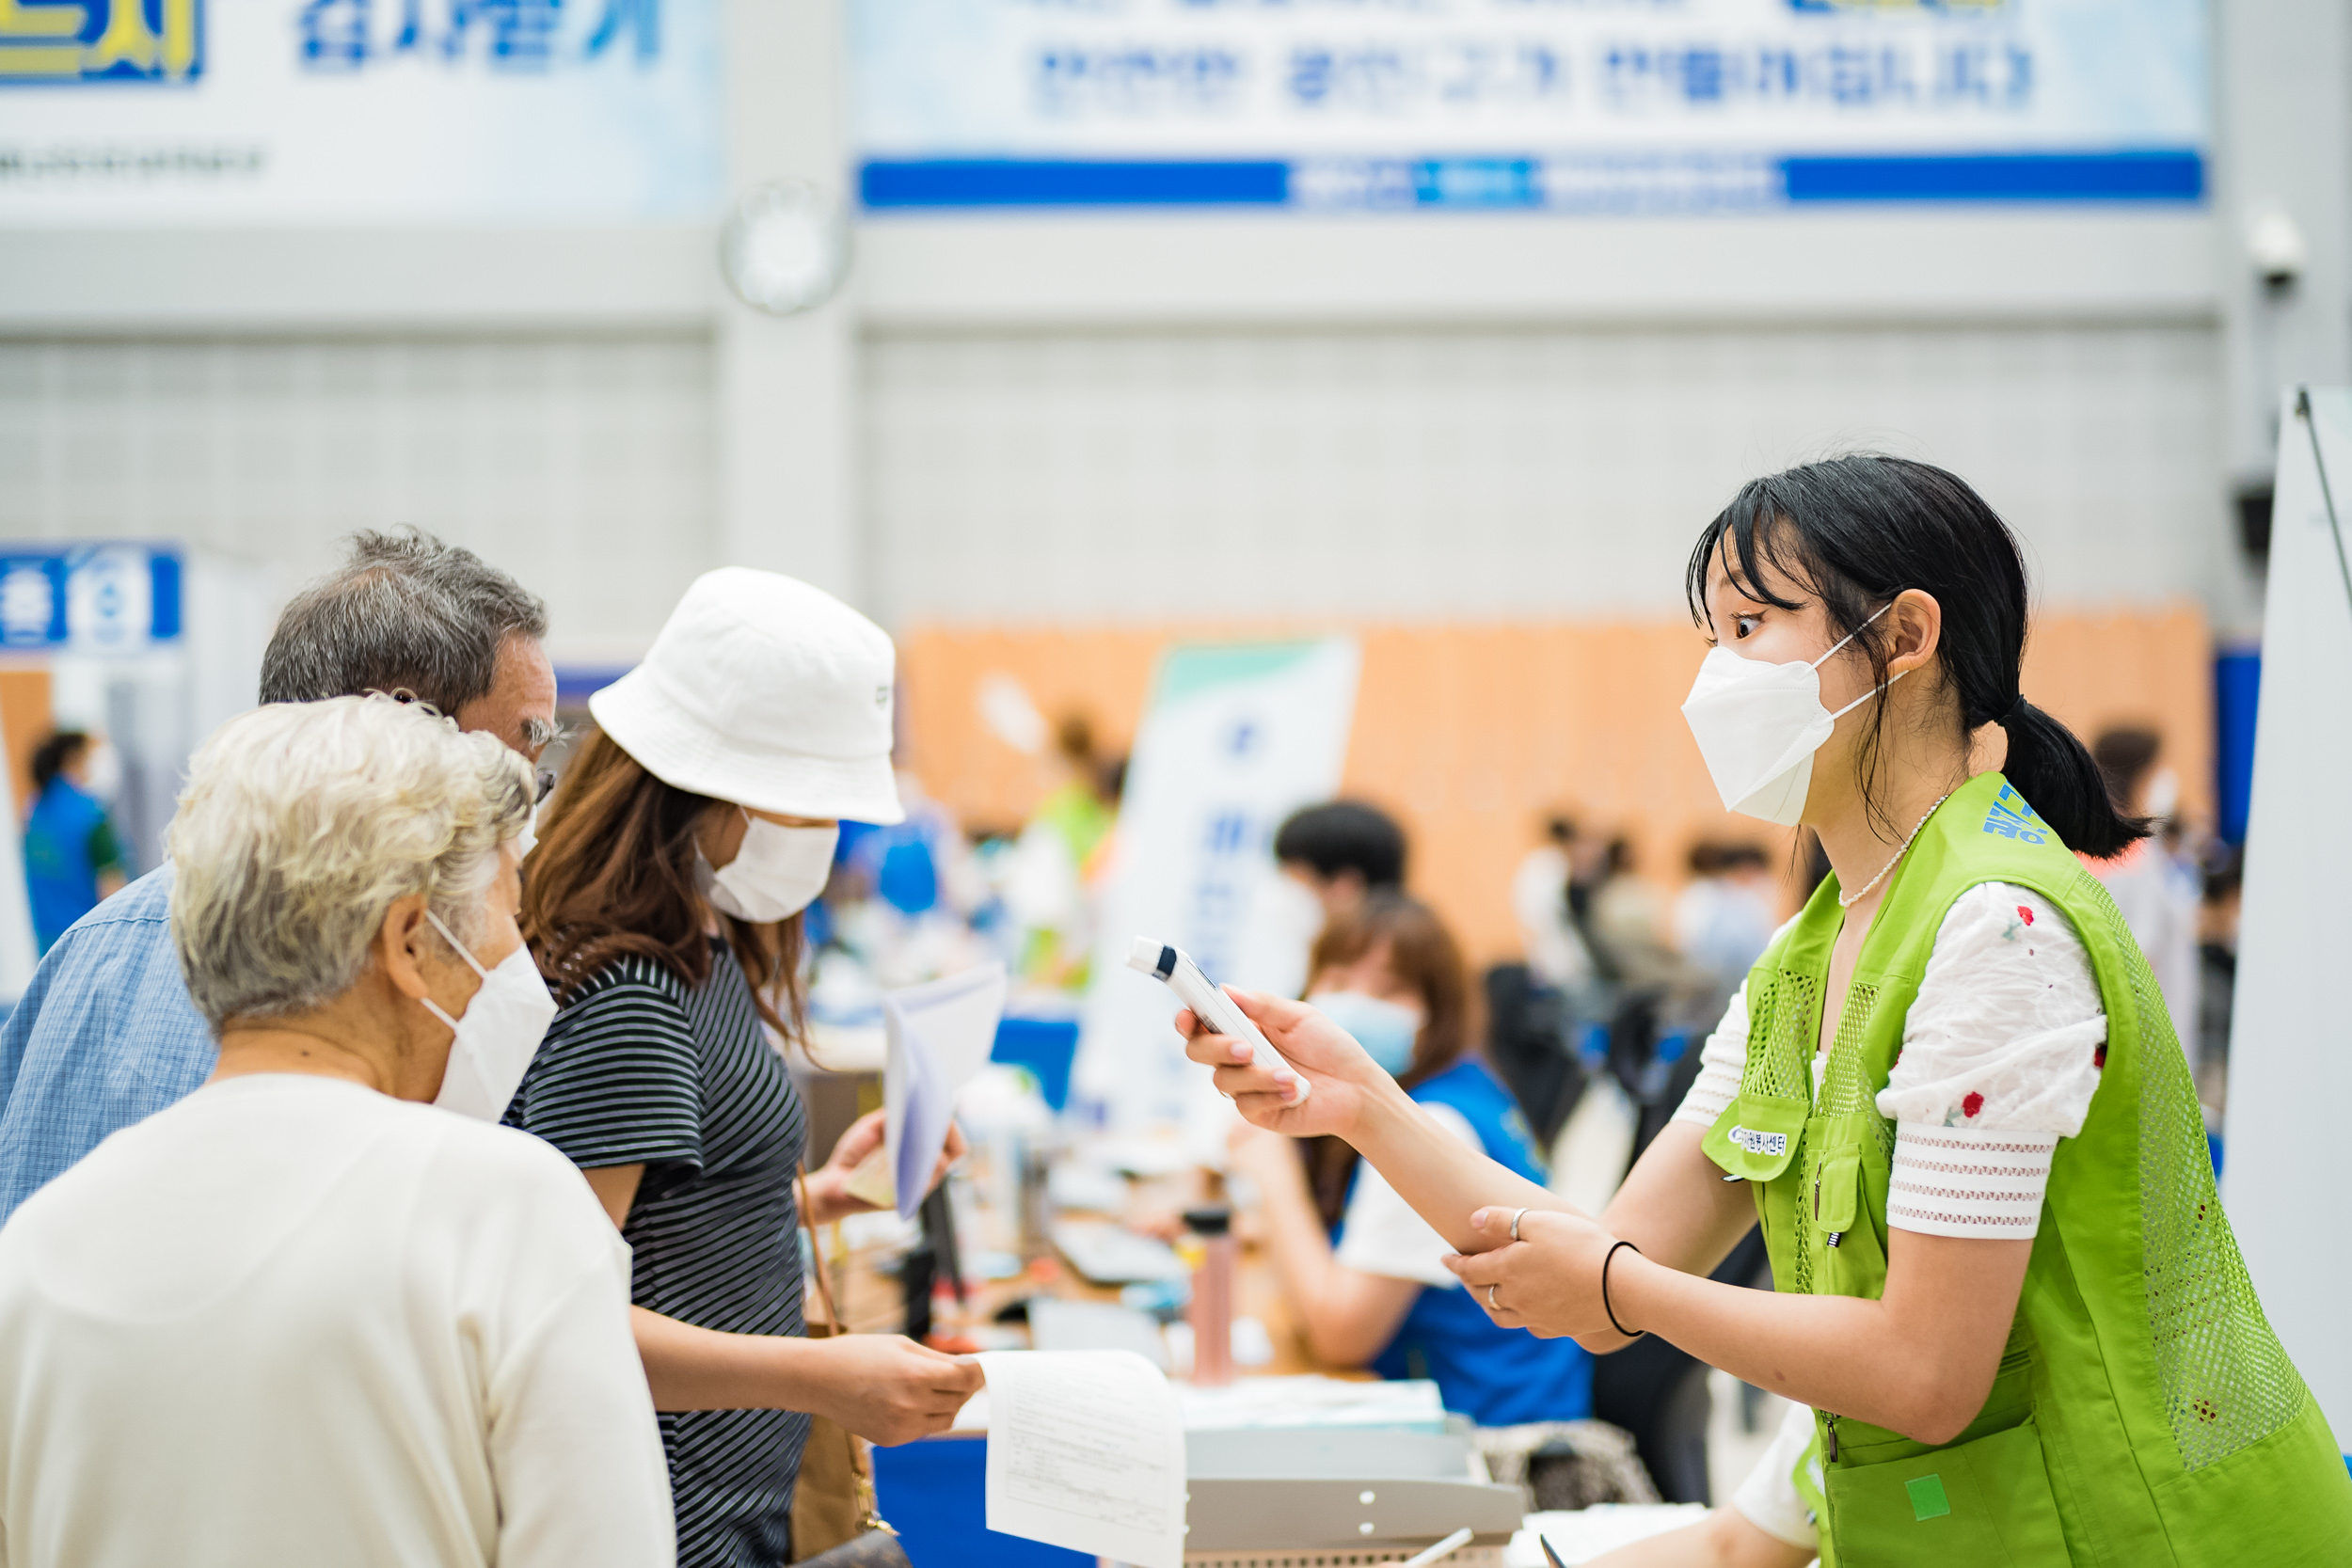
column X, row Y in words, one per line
column 582, row 465
column 1026, row 476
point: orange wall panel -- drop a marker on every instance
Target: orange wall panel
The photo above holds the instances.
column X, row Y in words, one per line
column 25, row 723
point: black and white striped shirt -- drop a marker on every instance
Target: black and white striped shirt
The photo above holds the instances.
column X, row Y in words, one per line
column 642, row 1067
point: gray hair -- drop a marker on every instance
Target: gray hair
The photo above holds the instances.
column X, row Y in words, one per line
column 303, row 822
column 404, row 613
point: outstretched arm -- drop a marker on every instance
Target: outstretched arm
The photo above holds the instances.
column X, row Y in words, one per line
column 1347, row 1315
column 1919, row 1360
column 882, row 1387
column 1676, row 1207
column 1353, row 1097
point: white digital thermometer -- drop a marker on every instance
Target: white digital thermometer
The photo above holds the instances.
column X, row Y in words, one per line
column 1213, row 1007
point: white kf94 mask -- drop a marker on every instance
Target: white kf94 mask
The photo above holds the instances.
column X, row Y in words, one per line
column 499, row 1034
column 778, row 871
column 1759, row 724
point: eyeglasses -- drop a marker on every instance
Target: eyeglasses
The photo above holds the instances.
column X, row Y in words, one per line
column 546, row 787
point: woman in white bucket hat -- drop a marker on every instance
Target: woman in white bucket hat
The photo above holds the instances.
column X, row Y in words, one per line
column 664, row 903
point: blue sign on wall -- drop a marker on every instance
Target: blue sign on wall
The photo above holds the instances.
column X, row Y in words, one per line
column 90, row 599
column 101, row 40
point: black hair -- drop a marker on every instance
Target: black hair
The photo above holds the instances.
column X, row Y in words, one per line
column 1711, row 858
column 1856, row 531
column 1738, row 856
column 1341, row 836
column 1617, row 858
column 52, row 757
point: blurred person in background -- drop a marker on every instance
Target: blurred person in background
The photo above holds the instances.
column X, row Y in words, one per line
column 106, row 1034
column 71, row 856
column 301, row 1316
column 1960, row 982
column 901, row 905
column 1555, row 948
column 665, row 904
column 1057, row 858
column 2156, row 886
column 1340, row 852
column 2217, row 981
column 1724, row 918
column 1363, row 1274
column 1626, row 921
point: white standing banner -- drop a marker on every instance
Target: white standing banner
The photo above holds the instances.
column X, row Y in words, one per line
column 2290, row 1075
column 1235, row 738
column 360, row 111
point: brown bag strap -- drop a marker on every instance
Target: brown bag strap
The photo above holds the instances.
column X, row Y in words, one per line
column 861, row 1467
column 816, row 1258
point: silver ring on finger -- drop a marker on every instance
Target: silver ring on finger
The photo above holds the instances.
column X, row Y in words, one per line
column 1491, row 1302
column 1515, row 1224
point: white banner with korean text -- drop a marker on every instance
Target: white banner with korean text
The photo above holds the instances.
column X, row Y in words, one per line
column 1235, row 738
column 1563, row 105
column 303, row 112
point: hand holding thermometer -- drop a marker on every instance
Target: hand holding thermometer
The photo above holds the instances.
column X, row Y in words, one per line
column 1212, row 1006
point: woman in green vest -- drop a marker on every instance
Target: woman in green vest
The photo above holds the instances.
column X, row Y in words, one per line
column 1949, row 1092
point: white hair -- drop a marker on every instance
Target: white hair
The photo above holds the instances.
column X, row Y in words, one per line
column 303, row 822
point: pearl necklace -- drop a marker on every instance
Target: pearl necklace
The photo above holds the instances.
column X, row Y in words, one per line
column 1847, row 900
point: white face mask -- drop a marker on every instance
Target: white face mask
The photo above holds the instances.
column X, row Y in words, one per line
column 778, row 871
column 499, row 1034
column 528, row 840
column 1759, row 724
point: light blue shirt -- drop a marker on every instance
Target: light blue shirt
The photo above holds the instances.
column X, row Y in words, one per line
column 105, row 1036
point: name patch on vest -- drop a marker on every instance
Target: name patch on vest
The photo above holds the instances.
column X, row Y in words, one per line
column 1771, row 1146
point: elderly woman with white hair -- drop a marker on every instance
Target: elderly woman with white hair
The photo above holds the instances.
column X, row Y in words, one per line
column 302, row 1316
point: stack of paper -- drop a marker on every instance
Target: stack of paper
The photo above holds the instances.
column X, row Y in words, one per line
column 1410, row 1404
column 1086, row 1451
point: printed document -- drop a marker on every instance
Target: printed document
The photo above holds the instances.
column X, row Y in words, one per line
column 1086, row 1451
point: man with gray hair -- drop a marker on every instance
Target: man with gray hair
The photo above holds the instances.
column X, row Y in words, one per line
column 106, row 1035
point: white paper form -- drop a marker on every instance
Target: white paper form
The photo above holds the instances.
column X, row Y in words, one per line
column 939, row 1035
column 1086, row 1451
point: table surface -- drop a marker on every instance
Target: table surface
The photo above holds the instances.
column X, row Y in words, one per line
column 869, row 1299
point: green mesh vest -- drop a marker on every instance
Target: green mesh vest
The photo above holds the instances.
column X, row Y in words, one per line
column 2143, row 1413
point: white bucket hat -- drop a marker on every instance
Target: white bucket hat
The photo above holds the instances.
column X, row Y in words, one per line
column 764, row 691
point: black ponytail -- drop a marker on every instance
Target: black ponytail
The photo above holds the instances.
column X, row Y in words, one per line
column 2048, row 764
column 1856, row 531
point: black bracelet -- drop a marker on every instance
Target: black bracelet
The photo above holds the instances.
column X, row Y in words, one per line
column 1628, row 1333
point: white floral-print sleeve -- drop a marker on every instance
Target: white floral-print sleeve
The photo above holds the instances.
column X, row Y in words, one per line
column 2001, row 1053
column 1722, row 1061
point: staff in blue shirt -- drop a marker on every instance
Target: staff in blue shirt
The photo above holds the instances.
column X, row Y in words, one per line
column 105, row 1035
column 71, row 856
column 1362, row 1271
